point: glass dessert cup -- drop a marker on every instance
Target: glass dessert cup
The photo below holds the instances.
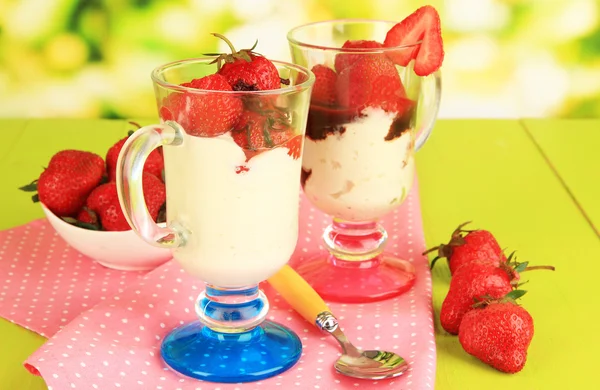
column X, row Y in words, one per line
column 232, row 217
column 358, row 162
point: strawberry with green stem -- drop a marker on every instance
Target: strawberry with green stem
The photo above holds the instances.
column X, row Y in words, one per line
column 466, row 246
column 477, row 279
column 67, row 181
column 498, row 332
column 247, row 70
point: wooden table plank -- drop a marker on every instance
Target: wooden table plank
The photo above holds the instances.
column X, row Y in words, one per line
column 492, row 173
column 572, row 147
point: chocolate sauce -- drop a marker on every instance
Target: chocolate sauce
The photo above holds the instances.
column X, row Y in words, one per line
column 304, row 176
column 401, row 124
column 323, row 121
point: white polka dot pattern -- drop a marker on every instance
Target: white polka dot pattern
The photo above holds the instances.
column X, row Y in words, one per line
column 46, row 283
column 117, row 343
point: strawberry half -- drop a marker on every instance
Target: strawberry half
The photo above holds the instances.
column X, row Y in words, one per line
column 422, row 25
column 295, row 147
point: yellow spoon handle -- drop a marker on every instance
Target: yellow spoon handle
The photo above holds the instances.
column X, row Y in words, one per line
column 298, row 293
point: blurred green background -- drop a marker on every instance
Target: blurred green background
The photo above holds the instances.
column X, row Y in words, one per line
column 92, row 58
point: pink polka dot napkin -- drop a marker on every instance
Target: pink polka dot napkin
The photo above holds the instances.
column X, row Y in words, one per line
column 116, row 344
column 46, row 283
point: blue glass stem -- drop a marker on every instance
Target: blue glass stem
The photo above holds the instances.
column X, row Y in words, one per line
column 231, row 342
column 232, row 310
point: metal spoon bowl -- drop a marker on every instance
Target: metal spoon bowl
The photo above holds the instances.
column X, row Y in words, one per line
column 356, row 363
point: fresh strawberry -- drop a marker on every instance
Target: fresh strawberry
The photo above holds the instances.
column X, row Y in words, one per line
column 473, row 281
column 498, row 332
column 370, row 82
column 295, row 147
column 86, row 215
column 246, row 70
column 104, row 201
column 205, row 114
column 67, row 181
column 323, row 91
column 422, row 25
column 262, row 129
column 112, row 218
column 155, row 194
column 154, row 163
column 468, row 245
column 344, row 60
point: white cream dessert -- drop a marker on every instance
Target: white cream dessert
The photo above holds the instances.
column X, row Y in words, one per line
column 244, row 222
column 360, row 171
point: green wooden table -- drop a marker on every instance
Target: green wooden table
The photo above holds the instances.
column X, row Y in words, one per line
column 535, row 183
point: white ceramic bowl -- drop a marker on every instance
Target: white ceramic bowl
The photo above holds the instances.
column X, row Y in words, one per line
column 119, row 250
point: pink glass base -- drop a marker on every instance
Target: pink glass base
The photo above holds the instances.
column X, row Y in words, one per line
column 358, row 281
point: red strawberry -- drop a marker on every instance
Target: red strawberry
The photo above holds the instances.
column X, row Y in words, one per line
column 323, row 91
column 262, row 130
column 87, row 216
column 105, row 202
column 422, row 25
column 246, row 70
column 469, row 245
column 155, row 194
column 206, row 114
column 498, row 333
column 71, row 175
column 370, row 82
column 344, row 60
column 295, row 147
column 473, row 281
column 154, row 163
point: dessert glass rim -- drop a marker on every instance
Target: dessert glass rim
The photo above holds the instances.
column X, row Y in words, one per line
column 294, row 41
column 157, row 73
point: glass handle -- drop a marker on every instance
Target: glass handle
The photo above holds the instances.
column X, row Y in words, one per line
column 130, row 166
column 431, row 91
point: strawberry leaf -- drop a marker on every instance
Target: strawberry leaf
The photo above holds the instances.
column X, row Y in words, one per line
column 515, row 294
column 80, row 224
column 35, row 198
column 31, row 187
column 521, row 266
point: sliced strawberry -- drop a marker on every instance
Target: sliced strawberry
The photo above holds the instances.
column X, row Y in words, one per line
column 344, row 60
column 422, row 25
column 324, row 88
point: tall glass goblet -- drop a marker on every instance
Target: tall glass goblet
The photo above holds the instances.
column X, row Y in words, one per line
column 367, row 118
column 232, row 212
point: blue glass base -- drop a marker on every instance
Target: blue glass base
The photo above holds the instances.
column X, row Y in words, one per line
column 199, row 352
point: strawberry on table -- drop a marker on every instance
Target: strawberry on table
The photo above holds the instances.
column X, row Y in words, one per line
column 323, row 91
column 372, row 81
column 468, row 245
column 472, row 281
column 498, row 332
column 344, row 60
column 246, row 70
column 422, row 25
column 67, row 181
column 204, row 114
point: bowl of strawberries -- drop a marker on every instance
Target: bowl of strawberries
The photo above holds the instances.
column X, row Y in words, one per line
column 78, row 194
